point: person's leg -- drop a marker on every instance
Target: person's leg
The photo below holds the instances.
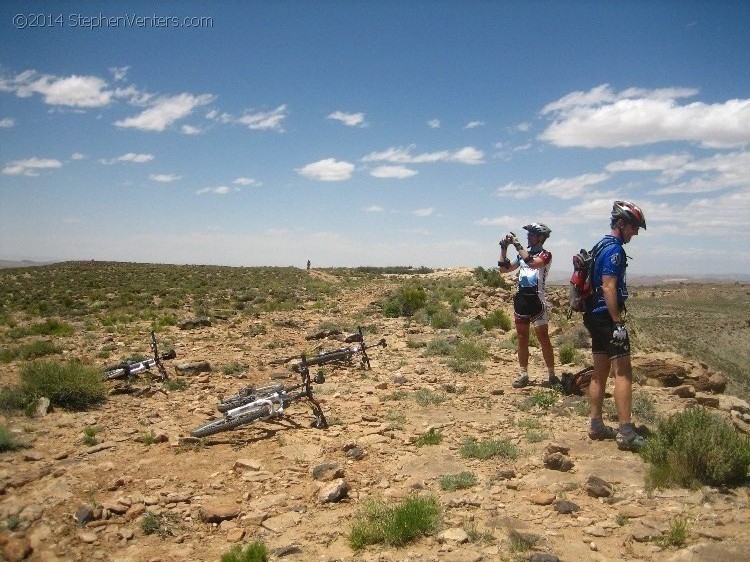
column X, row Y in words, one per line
column 523, row 346
column 542, row 334
column 627, row 438
column 598, row 385
column 522, row 332
column 623, row 389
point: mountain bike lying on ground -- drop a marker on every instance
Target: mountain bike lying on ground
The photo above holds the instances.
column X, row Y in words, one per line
column 128, row 369
column 241, row 410
column 341, row 356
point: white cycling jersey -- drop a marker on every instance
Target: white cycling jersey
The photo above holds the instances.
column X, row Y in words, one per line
column 531, row 279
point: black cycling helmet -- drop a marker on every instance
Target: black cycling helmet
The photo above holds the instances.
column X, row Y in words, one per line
column 629, row 212
column 538, row 228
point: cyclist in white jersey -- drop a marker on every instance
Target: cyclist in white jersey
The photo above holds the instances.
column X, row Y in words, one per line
column 530, row 303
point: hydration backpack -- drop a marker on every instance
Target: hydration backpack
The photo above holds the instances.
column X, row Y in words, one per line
column 577, row 383
column 581, row 287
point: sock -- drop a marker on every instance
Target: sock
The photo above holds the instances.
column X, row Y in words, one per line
column 626, row 428
column 597, row 424
column 524, row 374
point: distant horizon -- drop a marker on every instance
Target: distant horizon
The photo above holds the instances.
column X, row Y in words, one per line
column 373, row 132
column 555, row 278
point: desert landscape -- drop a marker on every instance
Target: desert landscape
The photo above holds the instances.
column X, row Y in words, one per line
column 512, row 472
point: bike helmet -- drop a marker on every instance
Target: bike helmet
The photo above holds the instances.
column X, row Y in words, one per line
column 538, row 228
column 629, row 212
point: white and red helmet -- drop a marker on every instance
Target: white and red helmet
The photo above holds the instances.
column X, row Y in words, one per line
column 629, row 212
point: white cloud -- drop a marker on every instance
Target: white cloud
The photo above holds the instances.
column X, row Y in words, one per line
column 433, row 123
column 718, row 172
column 164, row 178
column 474, row 124
column 328, row 169
column 426, row 212
column 164, row 111
column 7, row 123
column 219, row 190
column 373, row 209
column 393, row 172
column 190, row 130
column 562, row 188
column 400, row 155
column 349, row 119
column 119, row 72
column 247, row 181
column 72, row 91
column 603, row 118
column 656, row 162
column 130, row 157
column 30, row 166
column 265, row 120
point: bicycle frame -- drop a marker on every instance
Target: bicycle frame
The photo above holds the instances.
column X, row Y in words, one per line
column 276, row 400
column 346, row 353
column 129, row 369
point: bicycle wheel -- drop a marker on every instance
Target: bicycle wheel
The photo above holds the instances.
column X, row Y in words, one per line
column 224, row 424
column 247, row 395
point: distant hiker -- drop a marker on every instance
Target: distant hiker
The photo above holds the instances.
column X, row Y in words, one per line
column 529, row 303
column 604, row 318
column 308, row 265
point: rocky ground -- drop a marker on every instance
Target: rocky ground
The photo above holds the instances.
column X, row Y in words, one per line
column 297, row 489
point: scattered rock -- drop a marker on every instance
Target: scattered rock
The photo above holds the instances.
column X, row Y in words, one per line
column 565, row 507
column 192, row 368
column 598, row 487
column 201, row 321
column 558, row 461
column 327, row 471
column 333, row 492
column 216, row 513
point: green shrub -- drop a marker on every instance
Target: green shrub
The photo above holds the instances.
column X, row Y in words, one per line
column 89, row 435
column 677, row 535
column 405, row 301
column 490, row 278
column 544, row 399
column 473, row 449
column 162, row 524
column 497, row 319
column 471, row 328
column 696, row 447
column 29, row 351
column 379, row 522
column 439, row 346
column 443, row 318
column 467, row 357
column 425, row 397
column 254, row 552
column 8, row 440
column 432, row 437
column 71, row 385
column 453, row 482
column 50, row 327
column 568, row 354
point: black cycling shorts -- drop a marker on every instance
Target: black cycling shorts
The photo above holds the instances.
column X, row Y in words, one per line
column 600, row 326
column 527, row 308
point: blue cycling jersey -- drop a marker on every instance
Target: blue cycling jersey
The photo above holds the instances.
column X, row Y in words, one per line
column 610, row 260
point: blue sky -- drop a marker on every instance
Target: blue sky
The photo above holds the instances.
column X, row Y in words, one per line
column 373, row 133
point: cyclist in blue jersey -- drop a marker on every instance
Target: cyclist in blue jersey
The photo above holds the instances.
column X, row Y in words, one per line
column 604, row 318
column 530, row 301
